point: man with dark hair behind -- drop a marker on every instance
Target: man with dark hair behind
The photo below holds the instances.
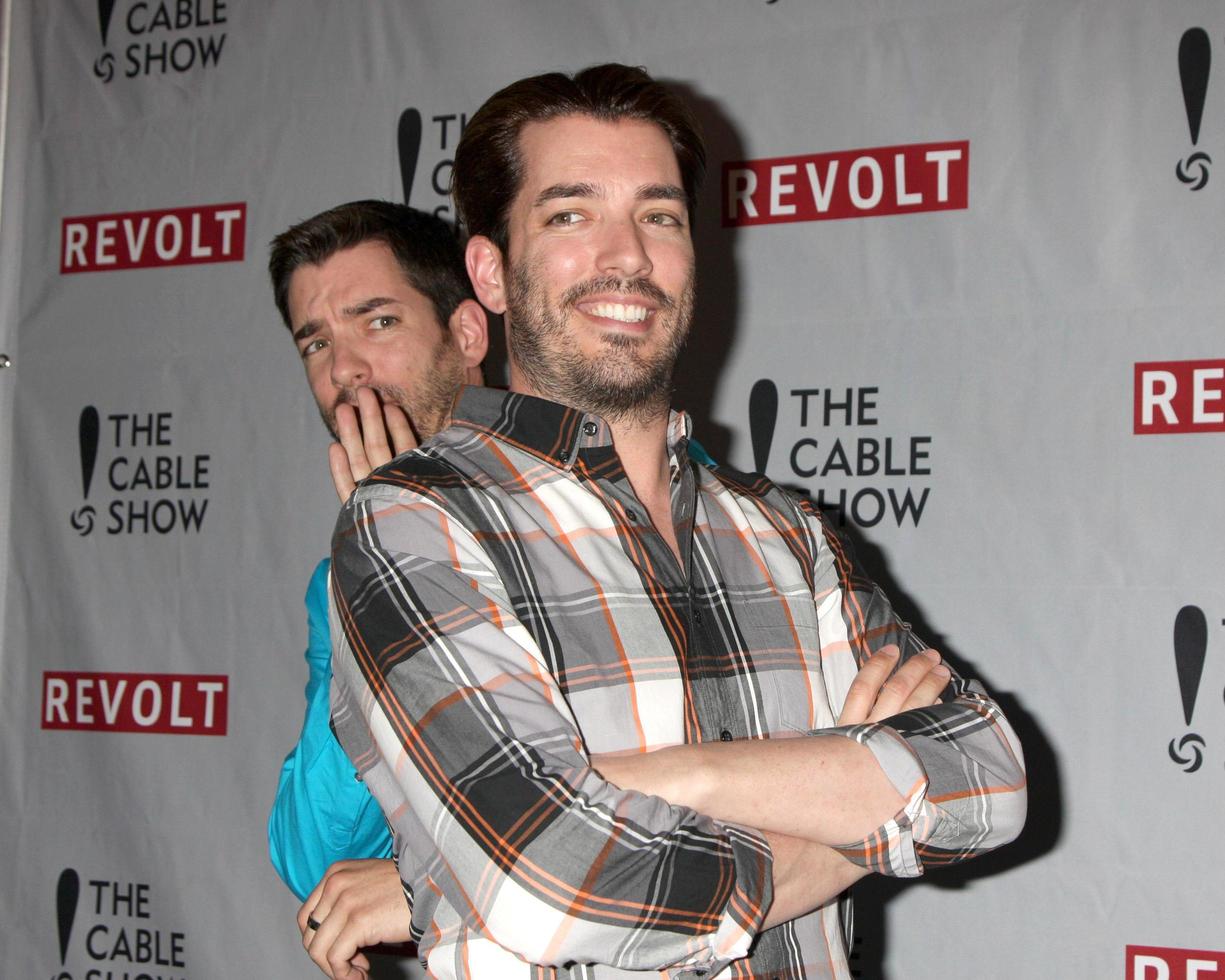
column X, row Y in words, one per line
column 379, row 304
column 626, row 715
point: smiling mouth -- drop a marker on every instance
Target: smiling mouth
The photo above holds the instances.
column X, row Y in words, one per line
column 621, row 312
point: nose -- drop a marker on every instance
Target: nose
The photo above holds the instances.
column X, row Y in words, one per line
column 623, row 250
column 350, row 367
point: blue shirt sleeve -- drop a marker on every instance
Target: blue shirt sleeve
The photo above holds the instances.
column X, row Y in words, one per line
column 322, row 812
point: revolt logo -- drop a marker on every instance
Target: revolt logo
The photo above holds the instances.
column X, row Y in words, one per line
column 1164, row 963
column 866, row 183
column 161, row 704
column 146, row 239
column 160, row 37
column 1179, row 397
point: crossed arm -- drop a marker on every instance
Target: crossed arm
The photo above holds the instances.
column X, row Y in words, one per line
column 359, row 904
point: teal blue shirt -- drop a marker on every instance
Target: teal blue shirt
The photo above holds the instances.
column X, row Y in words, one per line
column 322, row 812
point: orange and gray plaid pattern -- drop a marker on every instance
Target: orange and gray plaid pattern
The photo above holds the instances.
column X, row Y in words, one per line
column 503, row 607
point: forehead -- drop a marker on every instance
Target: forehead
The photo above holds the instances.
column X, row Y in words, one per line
column 614, row 156
column 366, row 270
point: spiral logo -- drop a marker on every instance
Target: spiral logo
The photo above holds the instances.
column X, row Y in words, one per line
column 1189, row 760
column 83, row 520
column 104, row 67
column 1199, row 160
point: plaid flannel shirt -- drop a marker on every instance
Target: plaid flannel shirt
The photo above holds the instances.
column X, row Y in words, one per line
column 503, row 607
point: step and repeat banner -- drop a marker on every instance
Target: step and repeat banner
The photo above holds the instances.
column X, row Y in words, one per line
column 960, row 279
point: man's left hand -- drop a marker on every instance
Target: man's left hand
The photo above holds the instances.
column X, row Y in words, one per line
column 357, row 904
column 879, row 691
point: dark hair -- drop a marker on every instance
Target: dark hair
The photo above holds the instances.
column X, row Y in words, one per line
column 425, row 247
column 488, row 169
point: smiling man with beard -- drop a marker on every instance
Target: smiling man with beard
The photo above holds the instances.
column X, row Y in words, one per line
column 625, row 714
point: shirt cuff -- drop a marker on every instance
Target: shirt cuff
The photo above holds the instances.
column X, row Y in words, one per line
column 745, row 911
column 890, row 849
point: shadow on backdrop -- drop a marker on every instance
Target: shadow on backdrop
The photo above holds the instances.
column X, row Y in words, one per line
column 717, row 307
column 1043, row 825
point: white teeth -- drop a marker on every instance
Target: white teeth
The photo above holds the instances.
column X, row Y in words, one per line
column 620, row 311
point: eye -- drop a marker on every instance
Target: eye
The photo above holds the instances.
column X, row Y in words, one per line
column 663, row 219
column 384, row 321
column 313, row 347
column 566, row 219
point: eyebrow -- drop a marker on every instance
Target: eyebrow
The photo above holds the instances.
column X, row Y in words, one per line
column 565, row 190
column 647, row 192
column 311, row 327
column 367, row 306
column 662, row 192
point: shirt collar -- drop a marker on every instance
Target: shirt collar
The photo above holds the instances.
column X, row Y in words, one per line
column 552, row 431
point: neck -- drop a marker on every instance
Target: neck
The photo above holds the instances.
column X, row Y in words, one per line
column 642, row 445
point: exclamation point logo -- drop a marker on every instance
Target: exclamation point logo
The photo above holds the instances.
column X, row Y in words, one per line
column 104, row 67
column 1194, row 64
column 763, row 414
column 67, row 892
column 88, row 429
column 1190, row 649
column 408, row 139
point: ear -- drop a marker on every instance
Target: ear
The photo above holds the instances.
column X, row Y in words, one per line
column 487, row 272
column 469, row 328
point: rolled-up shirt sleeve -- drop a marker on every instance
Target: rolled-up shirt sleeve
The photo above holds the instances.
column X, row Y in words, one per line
column 958, row 764
column 453, row 714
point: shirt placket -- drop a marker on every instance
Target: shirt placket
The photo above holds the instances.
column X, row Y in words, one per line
column 711, row 685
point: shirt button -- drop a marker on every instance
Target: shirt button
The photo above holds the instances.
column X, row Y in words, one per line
column 725, row 736
column 590, row 428
column 632, row 516
column 564, row 456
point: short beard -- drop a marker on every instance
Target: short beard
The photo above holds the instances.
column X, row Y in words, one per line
column 621, row 383
column 428, row 408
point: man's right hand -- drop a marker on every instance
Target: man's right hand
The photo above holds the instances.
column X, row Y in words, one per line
column 877, row 692
column 357, row 904
column 372, row 434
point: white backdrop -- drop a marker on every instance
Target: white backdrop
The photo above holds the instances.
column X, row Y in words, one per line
column 954, row 356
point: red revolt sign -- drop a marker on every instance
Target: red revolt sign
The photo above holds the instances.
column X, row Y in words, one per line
column 1179, row 396
column 165, row 704
column 848, row 184
column 1161, row 963
column 147, row 239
